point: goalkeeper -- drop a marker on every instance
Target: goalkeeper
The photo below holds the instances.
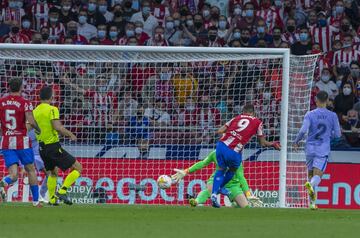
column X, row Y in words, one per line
column 236, row 187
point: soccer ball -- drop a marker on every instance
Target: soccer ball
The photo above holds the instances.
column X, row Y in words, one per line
column 164, row 181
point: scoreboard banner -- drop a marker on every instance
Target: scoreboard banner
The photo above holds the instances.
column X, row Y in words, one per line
column 130, row 181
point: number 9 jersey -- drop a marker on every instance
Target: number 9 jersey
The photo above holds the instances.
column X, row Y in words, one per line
column 239, row 131
column 13, row 122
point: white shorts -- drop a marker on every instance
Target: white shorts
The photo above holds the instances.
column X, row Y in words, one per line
column 319, row 162
column 39, row 163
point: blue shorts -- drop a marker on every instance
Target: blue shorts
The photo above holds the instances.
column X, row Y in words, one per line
column 226, row 157
column 11, row 157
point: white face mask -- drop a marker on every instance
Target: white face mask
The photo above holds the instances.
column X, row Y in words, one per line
column 347, row 91
column 325, row 78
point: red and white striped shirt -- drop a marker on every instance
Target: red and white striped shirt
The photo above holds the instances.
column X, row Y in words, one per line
column 9, row 14
column 271, row 17
column 324, row 36
column 16, row 38
column 290, row 38
column 344, row 57
column 13, row 122
column 56, row 32
column 239, row 131
column 40, row 12
column 103, row 106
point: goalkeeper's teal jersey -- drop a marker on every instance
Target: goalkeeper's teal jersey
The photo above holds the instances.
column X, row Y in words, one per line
column 237, row 180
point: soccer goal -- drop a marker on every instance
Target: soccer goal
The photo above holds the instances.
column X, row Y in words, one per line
column 140, row 112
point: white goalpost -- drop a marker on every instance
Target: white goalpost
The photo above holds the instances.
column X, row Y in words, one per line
column 140, row 112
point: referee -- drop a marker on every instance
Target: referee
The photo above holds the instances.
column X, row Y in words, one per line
column 51, row 152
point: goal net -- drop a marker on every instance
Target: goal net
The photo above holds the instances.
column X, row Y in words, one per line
column 141, row 112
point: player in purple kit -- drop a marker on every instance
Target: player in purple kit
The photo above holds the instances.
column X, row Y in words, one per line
column 321, row 125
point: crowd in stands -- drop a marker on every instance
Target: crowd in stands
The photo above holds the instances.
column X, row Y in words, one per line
column 329, row 28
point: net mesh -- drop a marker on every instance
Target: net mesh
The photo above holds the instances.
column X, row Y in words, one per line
column 138, row 115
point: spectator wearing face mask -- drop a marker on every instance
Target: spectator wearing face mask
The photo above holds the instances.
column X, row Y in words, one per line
column 94, row 17
column 213, row 39
column 103, row 10
column 15, row 36
column 344, row 101
column 352, row 123
column 113, row 34
column 84, row 28
column 355, row 71
column 262, row 33
column 303, row 46
column 323, row 33
column 327, row 84
column 36, row 38
column 146, row 18
column 245, row 37
column 235, row 35
column 72, row 32
column 129, row 32
column 342, row 58
column 172, row 32
column 196, row 33
column 140, row 35
column 26, row 28
column 235, row 12
column 249, row 19
column 56, row 28
column 40, row 11
column 276, row 37
column 45, row 33
column 290, row 35
column 102, row 35
column 66, row 13
column 128, row 10
column 158, row 38
column 337, row 14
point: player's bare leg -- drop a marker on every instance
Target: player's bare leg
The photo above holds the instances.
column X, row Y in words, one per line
column 8, row 180
column 69, row 180
column 31, row 171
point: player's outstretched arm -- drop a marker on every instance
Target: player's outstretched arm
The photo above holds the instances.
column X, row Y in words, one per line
column 62, row 130
column 222, row 130
column 181, row 173
column 265, row 143
column 31, row 121
column 303, row 130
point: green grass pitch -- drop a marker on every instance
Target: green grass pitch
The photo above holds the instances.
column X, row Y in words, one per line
column 127, row 221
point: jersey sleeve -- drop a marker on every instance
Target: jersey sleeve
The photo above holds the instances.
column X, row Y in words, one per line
column 260, row 130
column 201, row 164
column 227, row 124
column 337, row 129
column 28, row 106
column 304, row 128
column 54, row 113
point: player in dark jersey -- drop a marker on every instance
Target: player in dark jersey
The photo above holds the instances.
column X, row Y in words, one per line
column 15, row 111
column 235, row 135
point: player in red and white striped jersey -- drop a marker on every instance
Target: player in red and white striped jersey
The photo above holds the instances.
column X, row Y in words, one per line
column 15, row 111
column 235, row 135
column 323, row 34
column 343, row 57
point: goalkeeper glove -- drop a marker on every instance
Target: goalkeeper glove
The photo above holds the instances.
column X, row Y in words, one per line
column 180, row 174
column 254, row 201
column 276, row 145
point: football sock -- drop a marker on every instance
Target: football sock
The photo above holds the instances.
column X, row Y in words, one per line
column 203, row 196
column 35, row 192
column 6, row 181
column 69, row 180
column 51, row 184
column 228, row 176
column 43, row 188
column 218, row 181
column 315, row 181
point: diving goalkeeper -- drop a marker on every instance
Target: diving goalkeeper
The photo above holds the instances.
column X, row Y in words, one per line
column 237, row 187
